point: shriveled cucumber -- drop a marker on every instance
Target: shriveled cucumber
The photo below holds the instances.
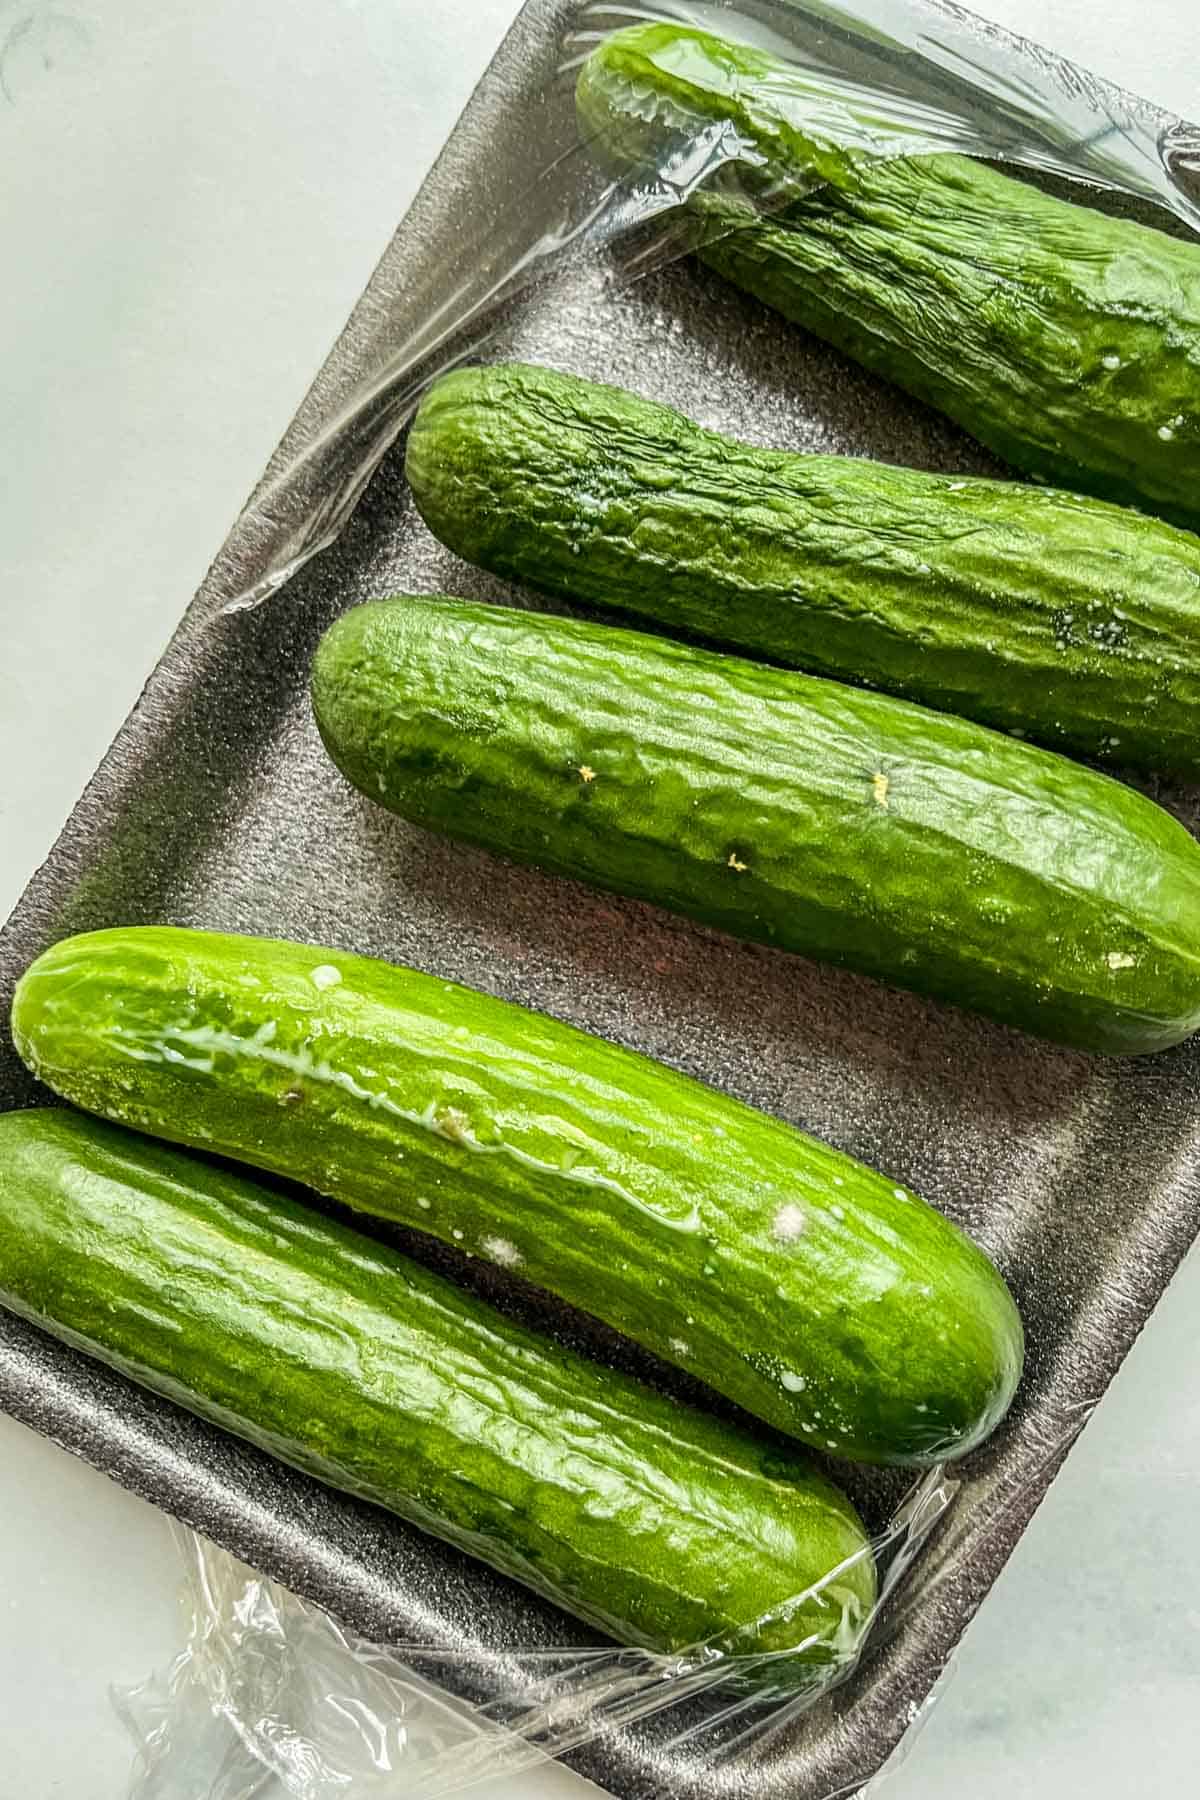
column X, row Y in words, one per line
column 1065, row 339
column 1048, row 614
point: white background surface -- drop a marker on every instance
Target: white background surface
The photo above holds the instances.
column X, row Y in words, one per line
column 191, row 199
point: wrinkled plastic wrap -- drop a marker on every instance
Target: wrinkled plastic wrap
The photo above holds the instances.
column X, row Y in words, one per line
column 890, row 77
column 269, row 1689
column 269, row 1686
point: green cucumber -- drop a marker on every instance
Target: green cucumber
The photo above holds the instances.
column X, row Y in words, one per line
column 658, row 1524
column 1066, row 340
column 1042, row 612
column 818, row 1295
column 915, row 847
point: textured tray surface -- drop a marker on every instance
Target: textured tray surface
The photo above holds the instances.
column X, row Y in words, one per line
column 217, row 807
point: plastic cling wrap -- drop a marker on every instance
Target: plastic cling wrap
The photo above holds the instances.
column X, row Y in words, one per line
column 269, row 1689
column 268, row 1685
column 270, row 1693
column 885, row 78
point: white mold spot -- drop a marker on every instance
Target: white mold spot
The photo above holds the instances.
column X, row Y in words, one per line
column 789, row 1224
column 1120, row 959
column 795, row 1384
column 502, row 1251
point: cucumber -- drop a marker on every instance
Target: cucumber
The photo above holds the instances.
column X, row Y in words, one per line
column 1066, row 340
column 1039, row 611
column 658, row 1524
column 815, row 1293
column 917, row 848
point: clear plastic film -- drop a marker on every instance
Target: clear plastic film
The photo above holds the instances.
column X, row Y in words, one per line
column 883, row 77
column 270, row 1686
column 270, row 1694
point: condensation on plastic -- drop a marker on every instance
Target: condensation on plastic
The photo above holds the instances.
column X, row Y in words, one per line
column 889, row 77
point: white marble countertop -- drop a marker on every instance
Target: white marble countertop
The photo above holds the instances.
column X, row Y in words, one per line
column 192, row 200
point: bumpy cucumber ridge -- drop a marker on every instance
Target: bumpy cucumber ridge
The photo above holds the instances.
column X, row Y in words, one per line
column 921, row 849
column 1041, row 612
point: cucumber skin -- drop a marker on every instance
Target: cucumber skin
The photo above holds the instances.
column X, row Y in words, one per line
column 650, row 1520
column 917, row 848
column 998, row 304
column 788, row 1277
column 1033, row 610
